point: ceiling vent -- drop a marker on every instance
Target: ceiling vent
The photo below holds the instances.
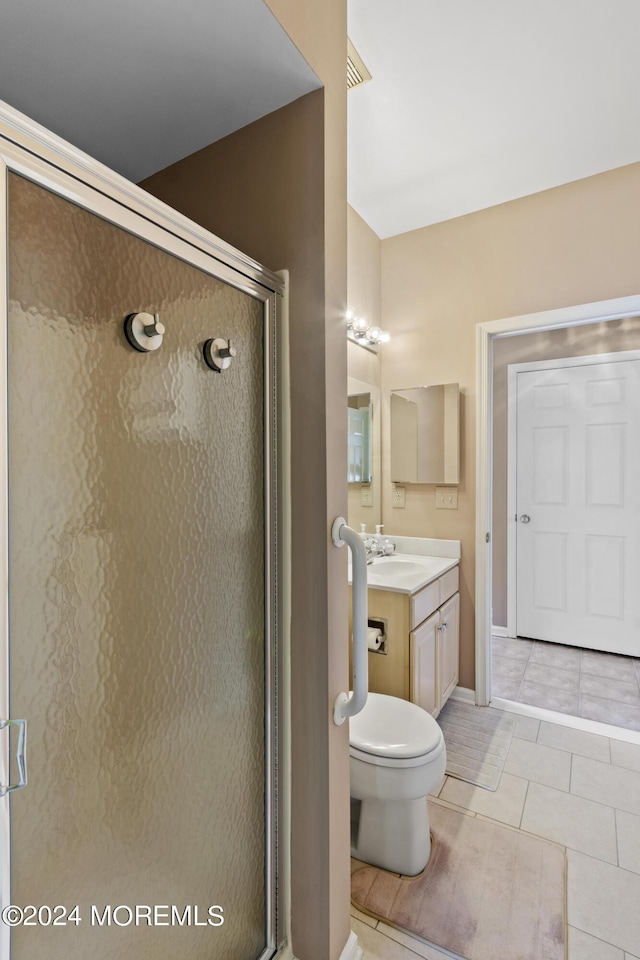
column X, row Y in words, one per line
column 357, row 73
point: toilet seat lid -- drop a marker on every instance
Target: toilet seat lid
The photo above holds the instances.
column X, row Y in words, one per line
column 394, row 728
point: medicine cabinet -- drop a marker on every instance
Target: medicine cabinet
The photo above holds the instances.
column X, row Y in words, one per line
column 425, row 434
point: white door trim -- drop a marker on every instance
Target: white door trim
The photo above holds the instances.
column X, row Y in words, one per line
column 485, row 334
column 513, row 369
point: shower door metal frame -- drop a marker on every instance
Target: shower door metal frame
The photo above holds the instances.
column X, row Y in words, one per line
column 33, row 152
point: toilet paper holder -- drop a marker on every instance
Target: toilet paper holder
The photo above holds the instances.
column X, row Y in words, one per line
column 374, row 623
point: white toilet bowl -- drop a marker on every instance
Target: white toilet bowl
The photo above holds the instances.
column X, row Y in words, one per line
column 397, row 758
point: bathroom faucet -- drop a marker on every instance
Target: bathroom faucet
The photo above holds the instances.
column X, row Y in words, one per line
column 374, row 548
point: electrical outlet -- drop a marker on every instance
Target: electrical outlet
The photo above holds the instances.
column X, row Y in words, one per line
column 446, row 498
column 366, row 496
column 398, row 498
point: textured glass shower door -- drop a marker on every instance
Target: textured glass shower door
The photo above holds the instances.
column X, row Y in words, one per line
column 137, row 599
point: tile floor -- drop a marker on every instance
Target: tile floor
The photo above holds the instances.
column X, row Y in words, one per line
column 577, row 789
column 585, row 683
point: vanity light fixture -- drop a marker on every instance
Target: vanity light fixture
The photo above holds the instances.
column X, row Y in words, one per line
column 359, row 331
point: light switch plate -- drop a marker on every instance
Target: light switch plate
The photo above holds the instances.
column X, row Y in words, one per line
column 366, row 496
column 446, row 498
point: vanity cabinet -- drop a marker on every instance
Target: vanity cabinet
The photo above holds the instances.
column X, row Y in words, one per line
column 420, row 662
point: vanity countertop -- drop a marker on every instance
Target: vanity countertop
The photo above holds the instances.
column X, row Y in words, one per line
column 406, row 572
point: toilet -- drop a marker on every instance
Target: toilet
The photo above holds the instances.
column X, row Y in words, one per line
column 397, row 757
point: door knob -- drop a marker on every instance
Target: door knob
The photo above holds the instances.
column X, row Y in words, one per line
column 525, row 518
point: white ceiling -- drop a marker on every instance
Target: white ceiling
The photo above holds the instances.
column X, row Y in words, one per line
column 139, row 84
column 475, row 103
column 471, row 104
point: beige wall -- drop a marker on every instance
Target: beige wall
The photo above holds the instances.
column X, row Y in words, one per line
column 364, row 270
column 592, row 338
column 364, row 277
column 277, row 190
column 575, row 244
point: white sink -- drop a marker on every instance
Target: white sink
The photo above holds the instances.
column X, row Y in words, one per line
column 405, row 573
column 395, row 567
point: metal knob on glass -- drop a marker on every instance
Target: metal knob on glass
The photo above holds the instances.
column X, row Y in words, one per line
column 154, row 329
column 218, row 354
column 144, row 331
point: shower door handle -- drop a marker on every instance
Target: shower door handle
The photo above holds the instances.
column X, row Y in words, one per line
column 21, row 756
column 347, row 706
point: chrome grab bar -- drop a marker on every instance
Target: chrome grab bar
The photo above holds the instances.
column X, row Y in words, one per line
column 347, row 706
column 21, row 756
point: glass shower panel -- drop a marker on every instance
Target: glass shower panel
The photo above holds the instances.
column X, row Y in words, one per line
column 137, row 597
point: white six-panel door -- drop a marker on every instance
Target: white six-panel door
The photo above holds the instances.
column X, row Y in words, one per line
column 577, row 512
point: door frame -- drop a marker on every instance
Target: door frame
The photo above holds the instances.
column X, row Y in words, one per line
column 603, row 310
column 35, row 153
column 513, row 369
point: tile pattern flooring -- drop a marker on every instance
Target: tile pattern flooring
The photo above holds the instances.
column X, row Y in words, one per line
column 577, row 789
column 585, row 683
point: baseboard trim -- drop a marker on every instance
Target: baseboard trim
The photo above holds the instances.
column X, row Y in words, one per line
column 464, row 693
column 351, row 951
column 499, row 631
column 567, row 720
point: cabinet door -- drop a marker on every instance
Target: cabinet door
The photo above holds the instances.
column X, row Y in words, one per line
column 423, row 664
column 448, row 644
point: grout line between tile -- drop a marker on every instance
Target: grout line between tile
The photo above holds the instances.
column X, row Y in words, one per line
column 520, row 685
column 526, row 794
column 571, row 774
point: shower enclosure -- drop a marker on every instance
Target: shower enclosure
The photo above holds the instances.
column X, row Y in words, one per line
column 141, row 614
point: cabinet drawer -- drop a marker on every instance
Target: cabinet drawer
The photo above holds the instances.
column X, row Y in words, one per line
column 448, row 584
column 424, row 603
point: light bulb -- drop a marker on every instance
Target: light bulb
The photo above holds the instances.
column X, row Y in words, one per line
column 359, row 325
column 384, row 337
column 373, row 333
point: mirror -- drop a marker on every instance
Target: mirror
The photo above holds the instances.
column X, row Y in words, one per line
column 363, row 407
column 425, row 434
column 359, row 438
